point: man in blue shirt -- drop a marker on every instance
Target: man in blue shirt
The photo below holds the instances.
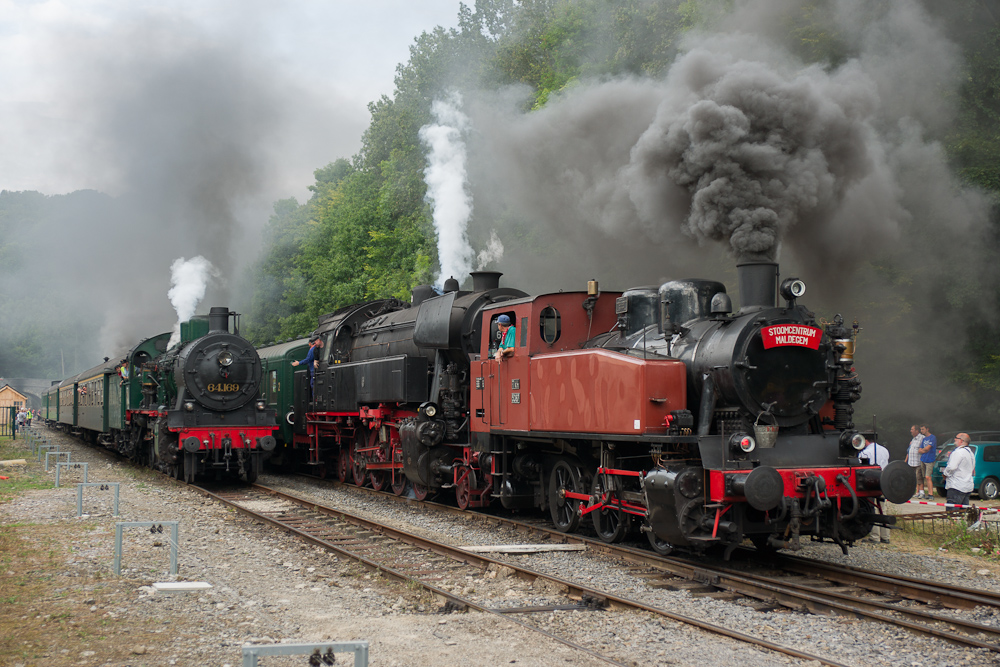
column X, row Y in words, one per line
column 311, row 360
column 509, row 334
column 928, row 452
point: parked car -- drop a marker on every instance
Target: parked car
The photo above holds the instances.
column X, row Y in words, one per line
column 986, row 446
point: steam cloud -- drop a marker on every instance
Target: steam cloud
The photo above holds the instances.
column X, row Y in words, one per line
column 188, row 282
column 741, row 152
column 446, row 186
column 492, row 253
column 741, row 143
column 194, row 136
column 744, row 152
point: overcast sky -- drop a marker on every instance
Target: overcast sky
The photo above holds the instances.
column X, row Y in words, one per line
column 59, row 59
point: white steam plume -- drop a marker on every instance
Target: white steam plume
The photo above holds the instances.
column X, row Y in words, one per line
column 188, row 281
column 446, row 186
column 493, row 252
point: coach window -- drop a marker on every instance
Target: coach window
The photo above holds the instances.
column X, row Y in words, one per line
column 550, row 324
column 274, row 388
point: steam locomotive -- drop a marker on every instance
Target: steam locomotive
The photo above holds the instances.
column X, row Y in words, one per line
column 192, row 409
column 657, row 409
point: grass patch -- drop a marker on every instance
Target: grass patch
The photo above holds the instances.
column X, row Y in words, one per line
column 20, row 478
column 52, row 597
column 953, row 535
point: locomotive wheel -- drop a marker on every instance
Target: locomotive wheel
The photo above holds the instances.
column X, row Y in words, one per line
column 343, row 465
column 856, row 529
column 399, row 483
column 358, row 472
column 611, row 524
column 564, row 477
column 377, row 480
column 463, row 490
column 358, row 469
column 661, row 547
column 419, row 491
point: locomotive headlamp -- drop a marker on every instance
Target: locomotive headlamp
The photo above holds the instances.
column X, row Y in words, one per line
column 429, row 410
column 225, row 358
column 260, row 406
column 742, row 443
column 792, row 288
column 858, row 441
column 852, row 439
column 189, row 406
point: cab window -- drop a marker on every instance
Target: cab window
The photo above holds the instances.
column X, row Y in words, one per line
column 496, row 337
column 550, row 324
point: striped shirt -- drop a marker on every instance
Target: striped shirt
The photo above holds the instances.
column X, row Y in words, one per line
column 913, row 453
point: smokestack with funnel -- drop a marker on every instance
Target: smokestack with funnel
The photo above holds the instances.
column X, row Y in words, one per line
column 218, row 319
column 483, row 281
column 758, row 284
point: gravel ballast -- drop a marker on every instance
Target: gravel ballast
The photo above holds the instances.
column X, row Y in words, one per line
column 268, row 587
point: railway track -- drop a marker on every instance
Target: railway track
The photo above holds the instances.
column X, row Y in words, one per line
column 792, row 582
column 440, row 568
column 801, row 584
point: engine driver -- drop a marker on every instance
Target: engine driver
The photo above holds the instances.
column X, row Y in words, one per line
column 509, row 334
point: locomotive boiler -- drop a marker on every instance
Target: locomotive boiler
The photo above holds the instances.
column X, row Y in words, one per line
column 657, row 409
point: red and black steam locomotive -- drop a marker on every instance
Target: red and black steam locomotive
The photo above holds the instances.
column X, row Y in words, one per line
column 658, row 409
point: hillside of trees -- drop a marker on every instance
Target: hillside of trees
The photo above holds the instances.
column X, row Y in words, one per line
column 366, row 232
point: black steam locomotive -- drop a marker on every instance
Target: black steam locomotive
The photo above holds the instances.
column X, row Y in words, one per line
column 192, row 409
column 695, row 425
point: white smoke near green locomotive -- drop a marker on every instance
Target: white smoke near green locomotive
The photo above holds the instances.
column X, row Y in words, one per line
column 188, row 282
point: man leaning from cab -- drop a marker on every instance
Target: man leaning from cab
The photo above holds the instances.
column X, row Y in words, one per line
column 508, row 335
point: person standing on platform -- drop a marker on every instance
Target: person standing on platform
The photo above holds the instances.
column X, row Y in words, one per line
column 960, row 470
column 913, row 458
column 928, row 452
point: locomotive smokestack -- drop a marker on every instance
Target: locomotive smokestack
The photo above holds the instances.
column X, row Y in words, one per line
column 758, row 284
column 483, row 281
column 218, row 319
column 421, row 293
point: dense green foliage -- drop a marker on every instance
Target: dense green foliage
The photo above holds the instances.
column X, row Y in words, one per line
column 366, row 232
